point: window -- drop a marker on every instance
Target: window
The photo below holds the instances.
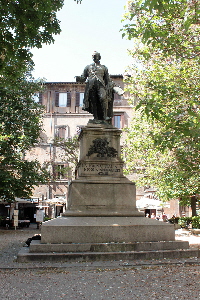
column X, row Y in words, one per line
column 62, row 131
column 79, row 99
column 60, row 171
column 117, row 121
column 63, row 99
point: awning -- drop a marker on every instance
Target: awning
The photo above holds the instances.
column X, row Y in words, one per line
column 59, row 200
column 146, row 202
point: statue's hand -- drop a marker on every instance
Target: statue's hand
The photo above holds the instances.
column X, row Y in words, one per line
column 118, row 90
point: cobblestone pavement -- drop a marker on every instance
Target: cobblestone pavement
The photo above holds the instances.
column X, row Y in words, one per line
column 157, row 279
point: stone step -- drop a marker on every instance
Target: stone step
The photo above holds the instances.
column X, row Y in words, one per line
column 37, row 247
column 25, row 256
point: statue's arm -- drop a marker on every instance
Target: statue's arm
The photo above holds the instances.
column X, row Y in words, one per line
column 84, row 75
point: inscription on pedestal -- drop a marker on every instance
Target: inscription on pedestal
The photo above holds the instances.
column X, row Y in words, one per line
column 101, row 169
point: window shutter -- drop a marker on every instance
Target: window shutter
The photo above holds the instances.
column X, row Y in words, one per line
column 68, row 99
column 77, row 99
column 122, row 120
column 40, row 98
column 57, row 100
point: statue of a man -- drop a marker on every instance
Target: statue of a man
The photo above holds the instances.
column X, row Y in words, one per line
column 97, row 81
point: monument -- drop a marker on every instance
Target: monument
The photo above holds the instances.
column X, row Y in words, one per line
column 101, row 220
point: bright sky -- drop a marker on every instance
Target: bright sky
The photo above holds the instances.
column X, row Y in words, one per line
column 93, row 25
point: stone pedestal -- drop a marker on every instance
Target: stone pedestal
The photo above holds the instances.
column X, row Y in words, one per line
column 100, row 188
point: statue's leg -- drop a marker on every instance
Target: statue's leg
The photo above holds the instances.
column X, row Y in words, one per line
column 94, row 107
column 103, row 102
column 94, row 103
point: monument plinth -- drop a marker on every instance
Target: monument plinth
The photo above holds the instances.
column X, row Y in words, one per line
column 100, row 188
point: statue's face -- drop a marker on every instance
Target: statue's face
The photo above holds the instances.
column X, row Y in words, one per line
column 96, row 58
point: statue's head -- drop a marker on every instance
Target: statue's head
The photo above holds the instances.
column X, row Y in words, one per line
column 96, row 56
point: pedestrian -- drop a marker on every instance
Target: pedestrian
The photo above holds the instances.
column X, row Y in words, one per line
column 164, row 217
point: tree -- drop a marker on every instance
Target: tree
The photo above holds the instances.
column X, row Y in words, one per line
column 24, row 24
column 165, row 82
column 167, row 26
column 158, row 167
column 69, row 150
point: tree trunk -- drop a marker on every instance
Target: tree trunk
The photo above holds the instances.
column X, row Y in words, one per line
column 193, row 205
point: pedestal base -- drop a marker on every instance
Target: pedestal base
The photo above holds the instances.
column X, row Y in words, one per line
column 105, row 230
column 106, row 238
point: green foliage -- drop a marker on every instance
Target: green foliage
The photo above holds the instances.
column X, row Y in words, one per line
column 20, row 126
column 169, row 26
column 196, row 222
column 184, row 222
column 164, row 141
column 24, row 24
column 46, row 219
column 168, row 120
column 19, row 130
column 158, row 166
column 174, row 220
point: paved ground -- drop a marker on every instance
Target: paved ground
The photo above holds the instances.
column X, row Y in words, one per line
column 164, row 279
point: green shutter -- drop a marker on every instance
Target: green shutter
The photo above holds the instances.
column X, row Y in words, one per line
column 68, row 99
column 77, row 99
column 57, row 99
column 40, row 98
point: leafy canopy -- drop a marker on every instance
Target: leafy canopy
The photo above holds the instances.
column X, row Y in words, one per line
column 169, row 26
column 165, row 84
column 24, row 24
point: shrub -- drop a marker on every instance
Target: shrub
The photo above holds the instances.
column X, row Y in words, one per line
column 184, row 222
column 46, row 219
column 174, row 220
column 196, row 222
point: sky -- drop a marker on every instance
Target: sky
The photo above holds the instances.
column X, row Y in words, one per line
column 93, row 25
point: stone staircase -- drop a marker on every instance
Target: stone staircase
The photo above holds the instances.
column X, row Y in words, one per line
column 106, row 251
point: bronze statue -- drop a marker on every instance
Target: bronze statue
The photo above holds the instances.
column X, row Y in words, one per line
column 99, row 90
